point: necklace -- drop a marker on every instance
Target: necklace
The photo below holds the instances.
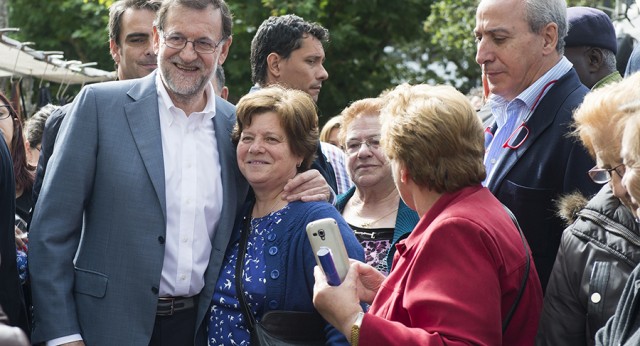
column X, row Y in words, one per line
column 270, row 210
column 368, row 224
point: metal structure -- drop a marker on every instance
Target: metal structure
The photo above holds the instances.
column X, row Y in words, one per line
column 18, row 60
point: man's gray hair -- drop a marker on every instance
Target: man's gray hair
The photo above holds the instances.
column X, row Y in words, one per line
column 609, row 60
column 542, row 12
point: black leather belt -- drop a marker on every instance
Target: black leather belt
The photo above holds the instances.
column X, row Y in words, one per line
column 167, row 306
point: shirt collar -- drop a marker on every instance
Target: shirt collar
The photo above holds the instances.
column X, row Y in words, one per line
column 208, row 112
column 528, row 97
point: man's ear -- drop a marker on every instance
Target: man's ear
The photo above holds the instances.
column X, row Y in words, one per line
column 114, row 50
column 156, row 40
column 273, row 65
column 595, row 57
column 550, row 36
column 224, row 50
column 224, row 93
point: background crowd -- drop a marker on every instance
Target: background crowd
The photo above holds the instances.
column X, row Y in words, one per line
column 151, row 211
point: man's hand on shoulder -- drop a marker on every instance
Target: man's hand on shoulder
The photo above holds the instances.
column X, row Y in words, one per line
column 307, row 186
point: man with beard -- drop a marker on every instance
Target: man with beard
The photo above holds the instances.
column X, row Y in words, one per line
column 140, row 198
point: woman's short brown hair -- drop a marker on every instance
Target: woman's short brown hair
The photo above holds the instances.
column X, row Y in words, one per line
column 297, row 113
column 435, row 133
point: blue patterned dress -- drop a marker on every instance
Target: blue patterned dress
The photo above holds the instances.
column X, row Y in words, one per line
column 226, row 323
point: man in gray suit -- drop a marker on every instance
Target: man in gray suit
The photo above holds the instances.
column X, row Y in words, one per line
column 142, row 190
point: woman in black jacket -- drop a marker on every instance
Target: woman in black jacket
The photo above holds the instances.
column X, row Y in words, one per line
column 601, row 247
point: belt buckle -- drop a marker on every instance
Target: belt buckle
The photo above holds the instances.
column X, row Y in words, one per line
column 169, row 299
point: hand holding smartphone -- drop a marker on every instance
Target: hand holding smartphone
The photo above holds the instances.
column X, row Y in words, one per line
column 326, row 242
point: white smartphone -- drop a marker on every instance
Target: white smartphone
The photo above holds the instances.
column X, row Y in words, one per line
column 325, row 232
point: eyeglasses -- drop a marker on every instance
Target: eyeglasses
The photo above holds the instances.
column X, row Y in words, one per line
column 5, row 116
column 353, row 146
column 603, row 175
column 203, row 46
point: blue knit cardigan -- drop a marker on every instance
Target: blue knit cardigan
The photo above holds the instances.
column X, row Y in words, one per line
column 290, row 259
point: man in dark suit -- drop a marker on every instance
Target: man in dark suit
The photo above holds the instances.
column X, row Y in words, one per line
column 530, row 158
column 142, row 190
column 140, row 196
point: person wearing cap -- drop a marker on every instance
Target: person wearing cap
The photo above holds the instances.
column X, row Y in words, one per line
column 591, row 46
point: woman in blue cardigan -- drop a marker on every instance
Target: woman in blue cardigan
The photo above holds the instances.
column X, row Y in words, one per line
column 276, row 137
column 373, row 207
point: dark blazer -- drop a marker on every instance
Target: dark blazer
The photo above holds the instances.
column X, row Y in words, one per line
column 547, row 165
column 103, row 202
column 49, row 135
column 11, row 298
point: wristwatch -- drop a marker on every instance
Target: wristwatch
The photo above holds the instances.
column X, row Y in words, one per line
column 355, row 329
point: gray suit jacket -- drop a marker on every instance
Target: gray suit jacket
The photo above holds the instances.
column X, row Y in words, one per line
column 103, row 201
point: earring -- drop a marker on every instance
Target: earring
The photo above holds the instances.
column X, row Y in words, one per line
column 299, row 164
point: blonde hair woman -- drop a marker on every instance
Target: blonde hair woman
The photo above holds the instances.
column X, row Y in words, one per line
column 600, row 248
column 622, row 328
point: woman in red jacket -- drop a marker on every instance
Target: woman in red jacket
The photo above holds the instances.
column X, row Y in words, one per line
column 465, row 265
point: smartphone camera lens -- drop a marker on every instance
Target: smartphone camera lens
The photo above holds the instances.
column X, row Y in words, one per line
column 321, row 234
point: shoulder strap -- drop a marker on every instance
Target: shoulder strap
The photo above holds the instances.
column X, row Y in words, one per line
column 242, row 250
column 512, row 310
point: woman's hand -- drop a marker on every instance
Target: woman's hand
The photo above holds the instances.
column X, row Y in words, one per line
column 339, row 305
column 307, row 186
column 369, row 281
column 21, row 238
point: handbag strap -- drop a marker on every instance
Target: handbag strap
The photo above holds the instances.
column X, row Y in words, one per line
column 242, row 250
column 512, row 310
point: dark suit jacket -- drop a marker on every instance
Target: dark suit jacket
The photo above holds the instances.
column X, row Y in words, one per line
column 547, row 165
column 49, row 135
column 11, row 298
column 103, row 202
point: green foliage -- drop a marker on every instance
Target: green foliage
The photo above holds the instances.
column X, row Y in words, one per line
column 450, row 44
column 357, row 62
column 375, row 44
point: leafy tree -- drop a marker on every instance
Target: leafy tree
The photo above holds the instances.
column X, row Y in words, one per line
column 374, row 45
column 360, row 60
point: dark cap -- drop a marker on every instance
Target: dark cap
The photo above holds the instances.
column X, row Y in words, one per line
column 590, row 27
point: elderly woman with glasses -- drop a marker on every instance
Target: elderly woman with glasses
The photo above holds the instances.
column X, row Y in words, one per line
column 623, row 328
column 373, row 208
column 600, row 248
column 463, row 267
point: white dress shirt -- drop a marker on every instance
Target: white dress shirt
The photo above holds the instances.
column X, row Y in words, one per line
column 193, row 188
